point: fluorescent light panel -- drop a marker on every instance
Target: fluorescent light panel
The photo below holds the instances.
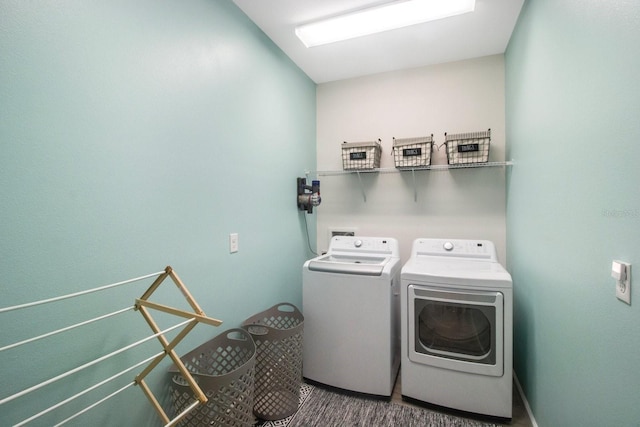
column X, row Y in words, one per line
column 390, row 16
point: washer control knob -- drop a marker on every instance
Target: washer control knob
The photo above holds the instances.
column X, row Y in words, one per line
column 448, row 246
column 358, row 243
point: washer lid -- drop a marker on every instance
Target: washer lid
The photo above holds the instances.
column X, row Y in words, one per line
column 349, row 264
column 346, row 268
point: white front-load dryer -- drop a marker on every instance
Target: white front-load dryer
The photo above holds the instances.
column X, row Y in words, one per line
column 351, row 307
column 457, row 311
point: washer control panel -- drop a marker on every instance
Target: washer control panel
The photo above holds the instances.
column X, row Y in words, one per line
column 361, row 244
column 478, row 249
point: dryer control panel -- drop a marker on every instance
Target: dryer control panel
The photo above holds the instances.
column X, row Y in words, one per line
column 455, row 248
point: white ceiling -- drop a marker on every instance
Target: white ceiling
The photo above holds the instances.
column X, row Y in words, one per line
column 486, row 31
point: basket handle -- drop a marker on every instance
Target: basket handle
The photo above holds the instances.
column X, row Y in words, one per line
column 178, row 379
column 286, row 307
column 258, row 329
column 255, row 321
column 238, row 334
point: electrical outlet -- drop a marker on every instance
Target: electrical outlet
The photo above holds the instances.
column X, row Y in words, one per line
column 340, row 231
column 623, row 285
column 233, row 243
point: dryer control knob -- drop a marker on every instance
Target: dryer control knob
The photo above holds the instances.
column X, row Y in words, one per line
column 358, row 243
column 448, row 246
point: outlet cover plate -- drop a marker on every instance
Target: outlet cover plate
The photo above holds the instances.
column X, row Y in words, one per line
column 233, row 243
column 623, row 288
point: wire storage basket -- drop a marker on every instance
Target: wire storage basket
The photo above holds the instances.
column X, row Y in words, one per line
column 224, row 369
column 412, row 152
column 464, row 148
column 361, row 155
column 278, row 335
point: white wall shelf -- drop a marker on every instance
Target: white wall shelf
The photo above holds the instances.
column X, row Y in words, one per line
column 434, row 168
column 420, row 168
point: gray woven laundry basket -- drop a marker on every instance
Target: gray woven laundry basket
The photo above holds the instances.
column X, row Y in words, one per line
column 278, row 335
column 224, row 369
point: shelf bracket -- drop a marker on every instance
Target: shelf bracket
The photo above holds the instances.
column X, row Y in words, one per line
column 415, row 187
column 364, row 194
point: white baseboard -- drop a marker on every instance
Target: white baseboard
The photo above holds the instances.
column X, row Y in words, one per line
column 525, row 401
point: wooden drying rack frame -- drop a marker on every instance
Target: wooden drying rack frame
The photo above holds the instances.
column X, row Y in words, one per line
column 144, row 306
column 198, row 316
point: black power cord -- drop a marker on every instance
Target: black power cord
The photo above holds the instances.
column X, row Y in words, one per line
column 306, row 226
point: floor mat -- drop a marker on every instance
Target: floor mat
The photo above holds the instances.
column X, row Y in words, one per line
column 305, row 392
column 325, row 408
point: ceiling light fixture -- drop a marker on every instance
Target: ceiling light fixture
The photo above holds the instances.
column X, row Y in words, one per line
column 373, row 20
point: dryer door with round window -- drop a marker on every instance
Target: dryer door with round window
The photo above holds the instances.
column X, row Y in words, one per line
column 456, row 329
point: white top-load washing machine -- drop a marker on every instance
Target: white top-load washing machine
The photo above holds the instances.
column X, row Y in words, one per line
column 351, row 307
column 457, row 329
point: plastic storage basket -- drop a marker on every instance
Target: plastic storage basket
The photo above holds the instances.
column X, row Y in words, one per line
column 278, row 335
column 361, row 155
column 412, row 152
column 224, row 369
column 466, row 148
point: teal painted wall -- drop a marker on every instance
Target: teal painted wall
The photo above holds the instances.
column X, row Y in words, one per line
column 135, row 135
column 573, row 206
